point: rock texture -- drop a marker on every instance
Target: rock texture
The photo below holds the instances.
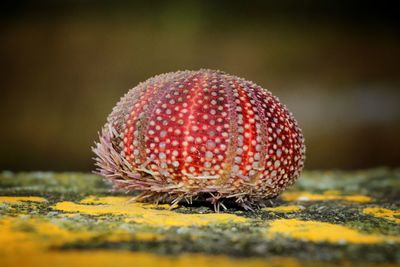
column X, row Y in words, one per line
column 73, row 219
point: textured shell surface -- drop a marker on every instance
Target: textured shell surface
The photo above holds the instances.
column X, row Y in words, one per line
column 201, row 134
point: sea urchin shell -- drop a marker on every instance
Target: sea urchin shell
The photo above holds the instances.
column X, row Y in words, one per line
column 205, row 134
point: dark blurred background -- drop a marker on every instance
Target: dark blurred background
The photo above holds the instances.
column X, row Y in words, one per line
column 64, row 65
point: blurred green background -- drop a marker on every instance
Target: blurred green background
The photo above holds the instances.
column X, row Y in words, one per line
column 64, row 65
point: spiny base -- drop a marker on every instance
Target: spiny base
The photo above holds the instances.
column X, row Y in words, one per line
column 216, row 199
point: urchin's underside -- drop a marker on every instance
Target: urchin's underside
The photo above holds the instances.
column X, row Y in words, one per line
column 200, row 134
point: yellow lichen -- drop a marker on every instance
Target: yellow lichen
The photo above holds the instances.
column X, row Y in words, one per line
column 29, row 243
column 128, row 259
column 390, row 215
column 35, row 234
column 19, row 199
column 148, row 214
column 124, row 236
column 316, row 231
column 148, row 236
column 284, row 209
column 327, row 195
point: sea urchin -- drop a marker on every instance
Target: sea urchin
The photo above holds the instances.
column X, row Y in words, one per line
column 201, row 134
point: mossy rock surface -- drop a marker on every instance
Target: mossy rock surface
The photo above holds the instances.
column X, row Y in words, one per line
column 75, row 219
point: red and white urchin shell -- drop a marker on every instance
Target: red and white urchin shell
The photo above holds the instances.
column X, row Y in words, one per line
column 206, row 134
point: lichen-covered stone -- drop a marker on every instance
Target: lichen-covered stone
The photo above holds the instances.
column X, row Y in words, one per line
column 74, row 219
